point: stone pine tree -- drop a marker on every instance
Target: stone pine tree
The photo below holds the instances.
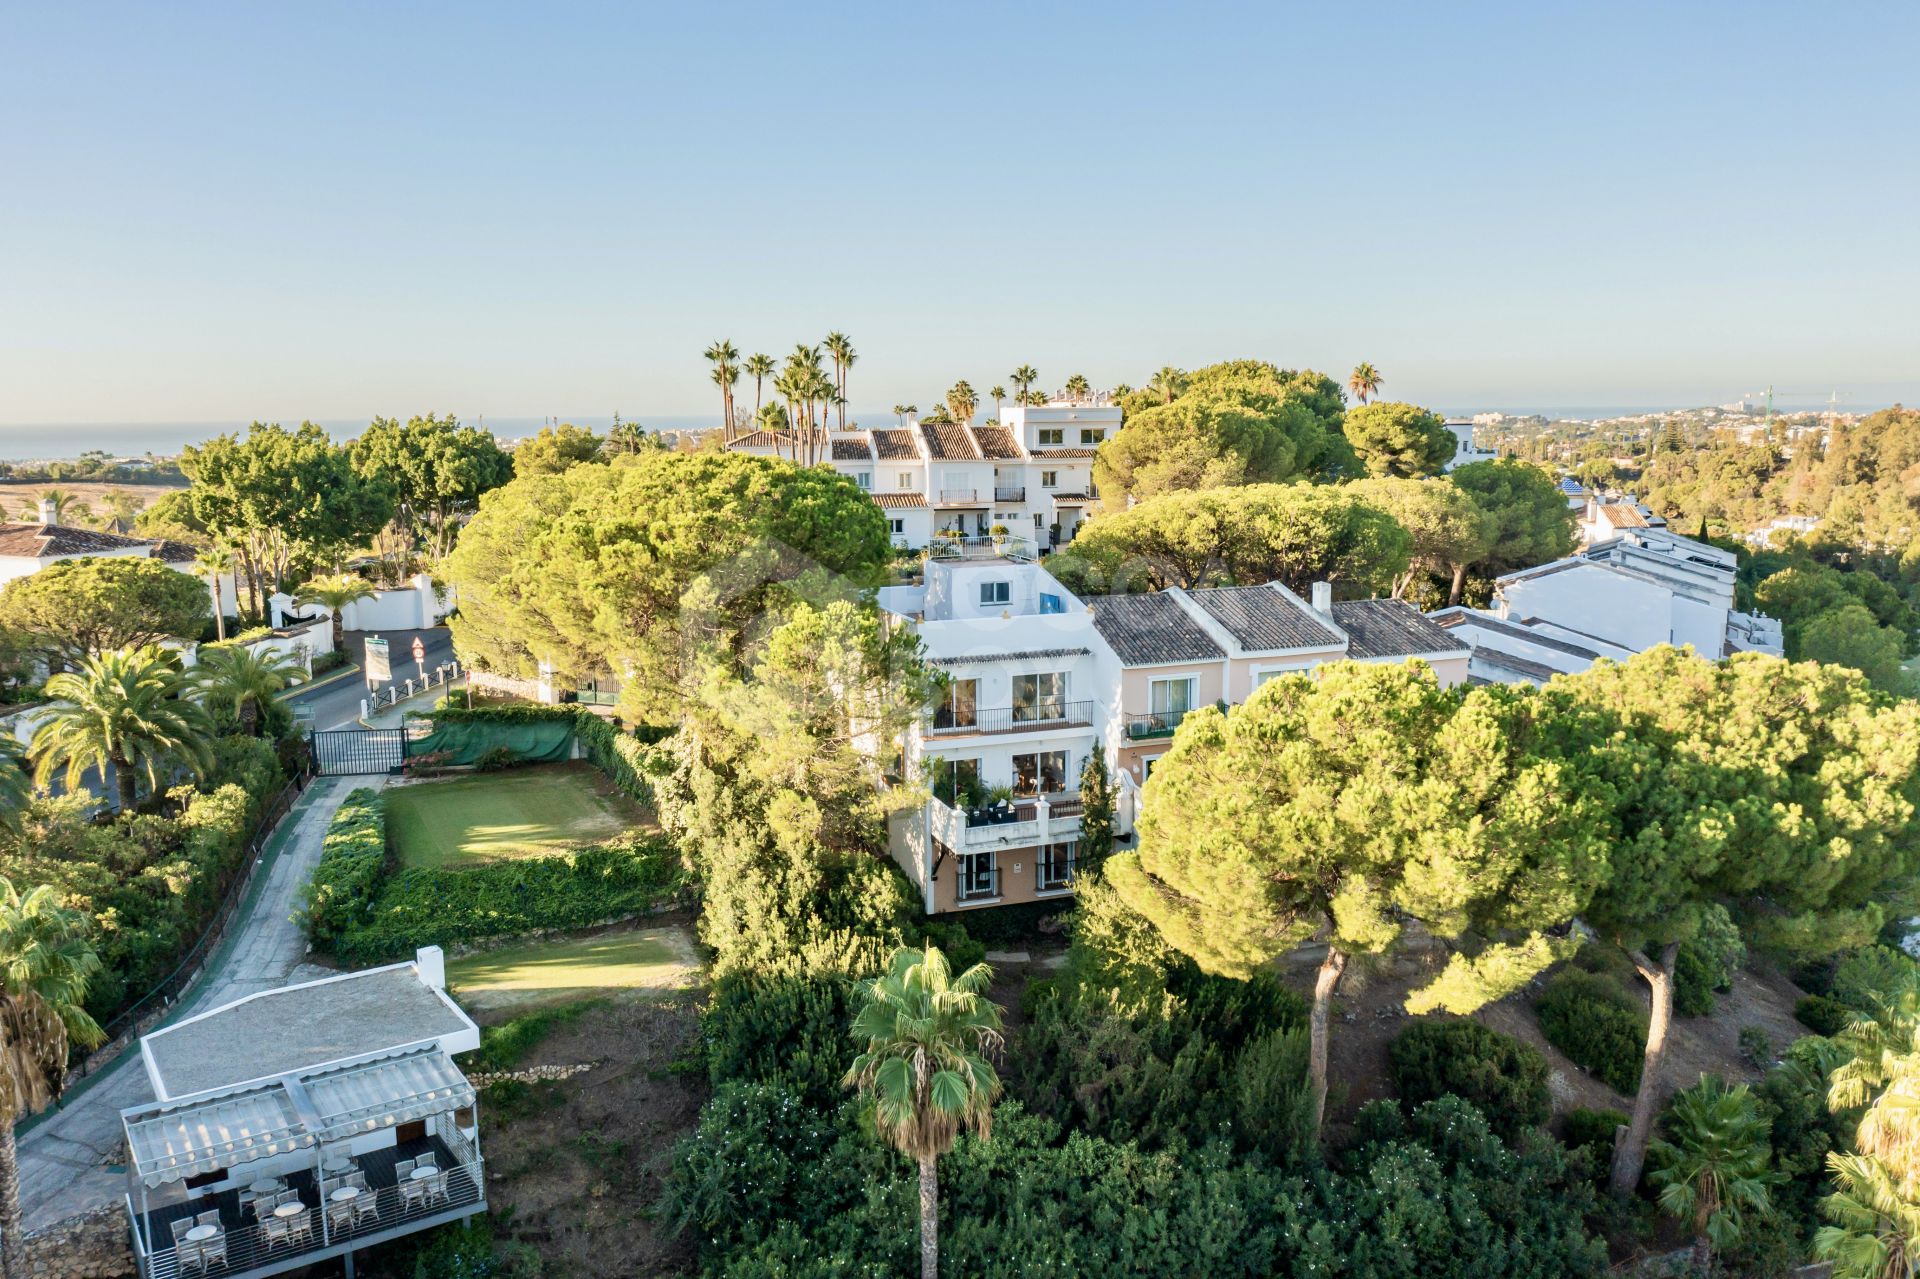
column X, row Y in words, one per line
column 1342, row 805
column 1752, row 782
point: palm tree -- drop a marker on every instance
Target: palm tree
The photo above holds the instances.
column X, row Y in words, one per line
column 961, row 402
column 16, row 787
column 216, row 561
column 123, row 710
column 1364, row 381
column 245, row 680
column 1876, row 1202
column 1022, row 378
column 899, row 415
column 722, row 355
column 46, row 964
column 759, row 367
column 840, row 346
column 1119, row 389
column 1717, row 1167
column 1078, row 386
column 1168, row 382
column 1877, row 1230
column 912, row 410
column 998, row 393
column 928, row 1037
column 334, row 594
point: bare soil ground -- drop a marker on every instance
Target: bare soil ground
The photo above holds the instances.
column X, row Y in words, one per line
column 574, row 1168
column 16, row 499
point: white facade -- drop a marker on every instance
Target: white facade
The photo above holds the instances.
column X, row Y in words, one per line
column 1464, row 450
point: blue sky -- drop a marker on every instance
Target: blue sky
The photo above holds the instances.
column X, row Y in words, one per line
column 228, row 211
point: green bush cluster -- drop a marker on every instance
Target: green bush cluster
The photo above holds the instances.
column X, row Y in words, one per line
column 1592, row 1131
column 1505, row 1079
column 1822, row 1015
column 785, row 1030
column 506, row 1045
column 338, row 897
column 1597, row 1025
column 1707, row 962
column 625, row 757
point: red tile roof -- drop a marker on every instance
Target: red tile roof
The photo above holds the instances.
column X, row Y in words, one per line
column 48, row 541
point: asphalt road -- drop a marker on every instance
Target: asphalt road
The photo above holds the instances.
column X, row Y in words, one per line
column 337, row 705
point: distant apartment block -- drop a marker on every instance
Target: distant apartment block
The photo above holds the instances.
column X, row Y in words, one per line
column 1037, row 677
column 1030, row 473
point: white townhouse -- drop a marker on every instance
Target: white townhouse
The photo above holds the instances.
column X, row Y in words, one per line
column 1037, row 677
column 1464, row 449
column 26, row 548
column 1030, row 473
column 1643, row 587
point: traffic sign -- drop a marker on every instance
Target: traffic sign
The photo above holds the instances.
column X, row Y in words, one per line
column 378, row 669
column 419, row 649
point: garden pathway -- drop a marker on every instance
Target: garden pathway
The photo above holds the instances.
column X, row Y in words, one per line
column 64, row 1156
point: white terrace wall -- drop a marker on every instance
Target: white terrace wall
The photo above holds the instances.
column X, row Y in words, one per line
column 412, row 608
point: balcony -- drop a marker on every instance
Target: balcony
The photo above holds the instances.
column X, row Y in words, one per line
column 949, row 721
column 946, row 546
column 959, row 497
column 1034, row 820
column 1014, row 494
column 1145, row 725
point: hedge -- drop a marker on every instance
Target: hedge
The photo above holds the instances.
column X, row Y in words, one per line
column 1502, row 1077
column 423, row 906
column 1597, row 1025
column 338, row 899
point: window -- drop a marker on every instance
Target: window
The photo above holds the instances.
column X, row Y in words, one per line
column 1053, row 435
column 1169, row 700
column 1049, row 479
column 899, row 527
column 978, row 877
column 1146, row 769
column 1092, row 434
column 962, row 707
column 992, row 593
column 1055, row 870
column 956, row 782
column 1041, row 773
column 864, row 479
column 1039, row 696
column 906, row 479
column 1050, row 603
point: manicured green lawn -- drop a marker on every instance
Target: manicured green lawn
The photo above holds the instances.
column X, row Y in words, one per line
column 557, row 971
column 521, row 812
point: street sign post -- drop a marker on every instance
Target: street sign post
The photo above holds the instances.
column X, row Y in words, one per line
column 420, row 658
column 379, row 670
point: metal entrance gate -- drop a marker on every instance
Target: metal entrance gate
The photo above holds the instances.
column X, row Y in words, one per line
column 338, row 751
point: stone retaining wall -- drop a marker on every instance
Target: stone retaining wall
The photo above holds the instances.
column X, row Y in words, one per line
column 93, row 1245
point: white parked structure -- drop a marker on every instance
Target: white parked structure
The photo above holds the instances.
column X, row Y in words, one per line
column 1037, row 677
column 1641, row 588
column 1031, row 472
column 300, row 1124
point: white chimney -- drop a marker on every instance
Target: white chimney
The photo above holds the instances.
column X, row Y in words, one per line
column 431, row 962
column 1323, row 598
column 49, row 514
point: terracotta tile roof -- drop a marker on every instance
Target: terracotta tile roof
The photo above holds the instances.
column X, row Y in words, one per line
column 175, row 552
column 1063, row 452
column 852, row 451
column 1071, row 499
column 46, row 541
column 1260, row 618
column 1622, row 517
column 995, row 442
column 948, row 439
column 1145, row 630
column 1391, row 628
column 895, row 446
column 898, row 501
column 762, row 440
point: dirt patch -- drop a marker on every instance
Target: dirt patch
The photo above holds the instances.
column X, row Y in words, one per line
column 574, row 1168
column 22, row 501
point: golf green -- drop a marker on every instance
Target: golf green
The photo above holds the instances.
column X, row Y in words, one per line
column 521, row 812
column 548, row 972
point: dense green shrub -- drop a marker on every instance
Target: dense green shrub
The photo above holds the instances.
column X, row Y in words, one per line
column 956, row 943
column 1498, row 1074
column 433, row 906
column 338, row 898
column 1011, row 927
column 495, row 758
column 625, row 757
column 1823, row 1015
column 1597, row 1025
column 1592, row 1130
column 505, row 1045
column 1871, row 974
column 791, row 1031
column 1707, row 962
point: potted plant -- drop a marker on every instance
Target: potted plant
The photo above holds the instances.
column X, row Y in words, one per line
column 999, row 537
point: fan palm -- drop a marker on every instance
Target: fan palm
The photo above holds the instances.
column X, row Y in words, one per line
column 216, row 561
column 998, row 393
column 1078, row 386
column 1717, row 1166
column 16, row 788
column 722, row 355
column 122, row 710
column 1168, row 382
column 759, row 367
column 840, row 347
column 334, row 594
column 45, row 966
column 244, row 680
column 961, row 402
column 1022, row 378
column 928, row 1036
column 1876, row 1234
column 1364, row 381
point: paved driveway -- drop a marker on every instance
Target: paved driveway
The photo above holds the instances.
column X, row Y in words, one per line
column 63, row 1157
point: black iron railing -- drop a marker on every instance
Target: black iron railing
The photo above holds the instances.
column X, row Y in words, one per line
column 1044, row 714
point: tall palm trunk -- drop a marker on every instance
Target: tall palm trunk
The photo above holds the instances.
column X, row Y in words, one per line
column 929, row 1219
column 1630, row 1155
column 13, row 1253
column 1324, row 984
column 219, row 607
column 128, row 784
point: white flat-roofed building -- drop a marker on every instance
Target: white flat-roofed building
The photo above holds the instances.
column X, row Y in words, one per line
column 300, row 1124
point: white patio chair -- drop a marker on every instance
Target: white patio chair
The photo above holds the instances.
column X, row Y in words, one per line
column 180, row 1228
column 301, row 1226
column 340, row 1216
column 425, row 1161
column 211, row 1217
column 189, row 1255
column 403, row 1169
column 437, row 1188
column 365, row 1205
column 214, row 1249
column 413, row 1194
column 278, row 1230
column 358, row 1180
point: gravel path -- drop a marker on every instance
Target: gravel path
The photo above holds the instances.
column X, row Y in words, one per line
column 64, row 1157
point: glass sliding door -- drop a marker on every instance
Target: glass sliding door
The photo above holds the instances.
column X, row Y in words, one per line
column 1041, row 773
column 962, row 707
column 1037, row 697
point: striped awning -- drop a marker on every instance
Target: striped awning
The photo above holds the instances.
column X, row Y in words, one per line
column 385, row 1094
column 175, row 1142
column 171, row 1141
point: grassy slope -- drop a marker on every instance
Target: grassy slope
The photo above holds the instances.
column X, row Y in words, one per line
column 647, row 959
column 526, row 812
